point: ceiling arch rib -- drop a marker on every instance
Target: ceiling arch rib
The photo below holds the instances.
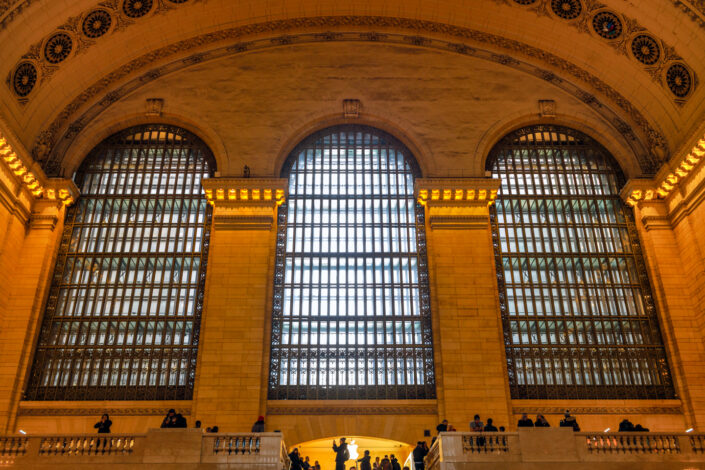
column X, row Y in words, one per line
column 646, row 139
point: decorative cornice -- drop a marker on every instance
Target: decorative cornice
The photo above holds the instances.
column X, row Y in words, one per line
column 243, row 222
column 459, row 222
column 599, row 410
column 54, row 141
column 98, row 411
column 352, row 410
column 43, row 222
column 456, row 192
column 245, row 191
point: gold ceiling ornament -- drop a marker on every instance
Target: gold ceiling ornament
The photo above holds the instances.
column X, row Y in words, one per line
column 34, row 180
column 647, row 190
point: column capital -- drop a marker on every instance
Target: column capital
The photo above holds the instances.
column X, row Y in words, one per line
column 244, row 203
column 457, row 203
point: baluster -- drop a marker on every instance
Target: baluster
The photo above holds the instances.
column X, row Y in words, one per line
column 257, row 443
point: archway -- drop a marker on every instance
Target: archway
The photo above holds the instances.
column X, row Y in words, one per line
column 321, row 450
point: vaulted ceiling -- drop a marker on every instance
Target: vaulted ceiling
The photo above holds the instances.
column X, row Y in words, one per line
column 451, row 76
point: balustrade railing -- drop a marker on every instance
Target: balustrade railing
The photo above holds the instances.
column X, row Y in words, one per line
column 633, row 443
column 235, row 444
column 456, row 450
column 11, row 446
column 94, row 444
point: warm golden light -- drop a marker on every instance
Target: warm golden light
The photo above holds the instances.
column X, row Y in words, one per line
column 482, row 194
column 267, row 194
column 435, row 194
column 255, row 194
column 220, row 194
column 446, row 194
column 232, row 194
column 244, row 194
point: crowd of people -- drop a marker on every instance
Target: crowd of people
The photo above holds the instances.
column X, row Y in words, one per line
column 388, row 462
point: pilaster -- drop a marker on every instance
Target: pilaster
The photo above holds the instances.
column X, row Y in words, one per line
column 468, row 341
column 231, row 375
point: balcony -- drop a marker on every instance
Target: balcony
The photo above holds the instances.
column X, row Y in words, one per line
column 158, row 447
column 561, row 447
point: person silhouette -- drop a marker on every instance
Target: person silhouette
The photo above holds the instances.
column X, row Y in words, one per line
column 341, row 454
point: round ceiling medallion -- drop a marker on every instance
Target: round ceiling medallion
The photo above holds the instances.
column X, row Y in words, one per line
column 607, row 25
column 137, row 8
column 58, row 48
column 645, row 49
column 24, row 79
column 678, row 80
column 97, row 23
column 567, row 9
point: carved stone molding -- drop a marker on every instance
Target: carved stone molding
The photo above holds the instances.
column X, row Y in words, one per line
column 459, row 222
column 547, row 108
column 351, row 109
column 352, row 410
column 243, row 222
column 43, row 222
column 58, row 137
column 592, row 410
column 98, row 411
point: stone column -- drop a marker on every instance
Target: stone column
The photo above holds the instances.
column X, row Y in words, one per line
column 27, row 259
column 468, row 341
column 234, row 341
column 670, row 219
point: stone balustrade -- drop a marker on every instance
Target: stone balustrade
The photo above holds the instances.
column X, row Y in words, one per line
column 161, row 448
column 548, row 447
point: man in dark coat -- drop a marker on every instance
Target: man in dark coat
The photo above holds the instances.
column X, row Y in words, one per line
column 395, row 463
column 419, row 454
column 341, row 454
column 525, row 422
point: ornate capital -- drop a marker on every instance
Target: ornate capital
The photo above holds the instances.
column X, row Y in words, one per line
column 457, row 203
column 244, row 203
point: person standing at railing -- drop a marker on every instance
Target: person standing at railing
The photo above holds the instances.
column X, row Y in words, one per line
column 395, row 463
column 296, row 462
column 419, row 453
column 525, row 422
column 569, row 422
column 541, row 422
column 103, row 426
column 443, row 427
column 489, row 427
column 166, row 423
column 259, row 425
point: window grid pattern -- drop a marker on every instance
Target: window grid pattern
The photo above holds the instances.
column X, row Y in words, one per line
column 123, row 314
column 578, row 314
column 351, row 312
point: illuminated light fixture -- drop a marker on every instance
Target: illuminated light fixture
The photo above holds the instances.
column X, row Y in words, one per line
column 10, row 157
column 662, row 192
column 3, row 141
column 636, row 194
column 666, row 186
column 209, row 194
column 20, row 171
column 681, row 173
column 423, row 194
column 33, row 185
column 435, row 194
column 692, row 159
column 699, row 153
column 671, row 178
column 446, row 194
column 459, row 194
column 471, row 194
column 493, row 194
column 482, row 194
column 68, row 201
column 686, row 166
column 220, row 194
column 37, row 192
column 51, row 194
column 14, row 165
column 255, row 194
column 689, row 430
column 267, row 194
column 63, row 194
column 649, row 195
column 232, row 194
column 631, row 202
column 244, row 194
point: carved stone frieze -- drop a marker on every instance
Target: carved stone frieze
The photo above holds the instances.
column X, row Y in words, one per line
column 599, row 410
column 352, row 410
column 98, row 411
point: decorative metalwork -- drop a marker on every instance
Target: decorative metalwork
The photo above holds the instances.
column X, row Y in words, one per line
column 567, row 9
column 58, row 48
column 578, row 314
column 96, row 24
column 524, row 2
column 137, row 8
column 24, row 79
column 607, row 25
column 645, row 49
column 351, row 311
column 679, row 80
column 123, row 315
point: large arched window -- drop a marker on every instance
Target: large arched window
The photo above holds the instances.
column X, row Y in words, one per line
column 124, row 308
column 578, row 315
column 351, row 316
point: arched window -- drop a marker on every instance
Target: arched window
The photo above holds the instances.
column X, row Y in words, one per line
column 124, row 308
column 351, row 316
column 578, row 314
